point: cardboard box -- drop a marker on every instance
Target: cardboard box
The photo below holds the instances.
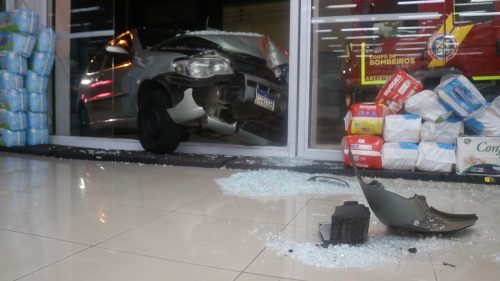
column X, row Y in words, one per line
column 478, row 156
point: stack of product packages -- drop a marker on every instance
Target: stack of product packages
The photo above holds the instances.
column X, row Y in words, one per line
column 26, row 60
column 410, row 128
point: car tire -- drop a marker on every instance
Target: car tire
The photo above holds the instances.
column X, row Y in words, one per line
column 157, row 131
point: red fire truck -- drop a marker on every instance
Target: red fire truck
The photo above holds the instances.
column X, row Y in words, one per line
column 428, row 38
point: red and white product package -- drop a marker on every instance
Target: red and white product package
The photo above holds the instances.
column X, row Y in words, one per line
column 364, row 119
column 397, row 90
column 367, row 151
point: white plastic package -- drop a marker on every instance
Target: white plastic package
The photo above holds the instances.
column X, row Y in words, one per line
column 486, row 121
column 46, row 41
column 402, row 128
column 10, row 138
column 445, row 132
column 36, row 83
column 427, row 105
column 37, row 136
column 41, row 63
column 10, row 80
column 14, row 121
column 13, row 62
column 460, row 95
column 37, row 120
column 14, row 100
column 399, row 156
column 436, row 157
column 37, row 102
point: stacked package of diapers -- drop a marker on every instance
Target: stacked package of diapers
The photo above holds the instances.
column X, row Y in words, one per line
column 26, row 60
column 412, row 128
column 363, row 125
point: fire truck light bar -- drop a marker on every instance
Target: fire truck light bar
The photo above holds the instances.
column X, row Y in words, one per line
column 419, row 2
column 345, row 6
column 376, row 18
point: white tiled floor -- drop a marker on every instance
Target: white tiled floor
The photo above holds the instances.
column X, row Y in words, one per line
column 84, row 220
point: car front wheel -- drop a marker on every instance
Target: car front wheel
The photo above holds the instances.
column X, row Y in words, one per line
column 157, row 131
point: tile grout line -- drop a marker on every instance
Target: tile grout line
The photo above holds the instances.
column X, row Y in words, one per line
column 57, row 261
column 265, row 247
column 124, row 205
column 177, row 211
column 164, row 259
column 296, row 214
column 228, row 218
column 272, row 276
column 132, row 228
column 46, row 237
column 433, row 268
column 192, row 202
column 244, row 269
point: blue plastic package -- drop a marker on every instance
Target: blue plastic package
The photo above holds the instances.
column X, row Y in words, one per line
column 37, row 136
column 46, row 41
column 41, row 63
column 486, row 121
column 460, row 95
column 37, row 120
column 14, row 121
column 17, row 43
column 14, row 100
column 37, row 102
column 26, row 20
column 10, row 80
column 13, row 62
column 22, row 20
column 36, row 83
column 10, row 138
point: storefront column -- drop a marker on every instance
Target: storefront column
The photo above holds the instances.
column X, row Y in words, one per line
column 62, row 69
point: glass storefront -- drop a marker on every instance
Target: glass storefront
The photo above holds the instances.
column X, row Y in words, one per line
column 233, row 88
column 289, row 89
column 91, row 27
column 357, row 45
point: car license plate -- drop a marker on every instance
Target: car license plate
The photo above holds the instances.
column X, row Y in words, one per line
column 264, row 99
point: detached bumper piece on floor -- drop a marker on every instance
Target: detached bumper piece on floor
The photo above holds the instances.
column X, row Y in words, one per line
column 413, row 214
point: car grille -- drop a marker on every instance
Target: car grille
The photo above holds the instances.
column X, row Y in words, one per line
column 259, row 70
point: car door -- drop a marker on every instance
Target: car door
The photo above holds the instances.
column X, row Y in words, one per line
column 95, row 89
column 108, row 91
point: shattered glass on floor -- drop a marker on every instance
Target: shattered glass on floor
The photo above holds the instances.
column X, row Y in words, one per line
column 276, row 184
column 386, row 249
column 384, row 245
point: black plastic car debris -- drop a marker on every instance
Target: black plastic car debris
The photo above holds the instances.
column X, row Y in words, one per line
column 327, row 179
column 349, row 225
column 412, row 214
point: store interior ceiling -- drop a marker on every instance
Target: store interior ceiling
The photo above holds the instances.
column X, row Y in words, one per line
column 188, row 14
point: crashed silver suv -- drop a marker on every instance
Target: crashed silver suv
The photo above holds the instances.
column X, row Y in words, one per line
column 234, row 84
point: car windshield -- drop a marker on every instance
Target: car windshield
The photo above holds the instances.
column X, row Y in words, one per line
column 151, row 37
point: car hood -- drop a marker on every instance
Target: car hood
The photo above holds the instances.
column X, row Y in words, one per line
column 253, row 44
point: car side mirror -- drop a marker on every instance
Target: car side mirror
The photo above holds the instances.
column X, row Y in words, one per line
column 116, row 51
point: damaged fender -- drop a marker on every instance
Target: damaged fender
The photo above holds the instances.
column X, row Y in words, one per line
column 412, row 214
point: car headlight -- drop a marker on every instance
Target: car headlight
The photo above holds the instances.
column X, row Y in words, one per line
column 203, row 67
